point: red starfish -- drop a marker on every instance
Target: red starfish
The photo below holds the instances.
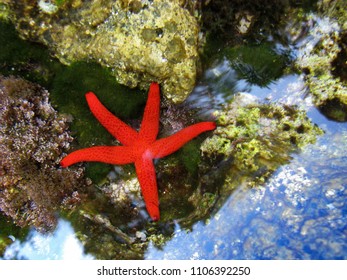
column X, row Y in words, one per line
column 138, row 147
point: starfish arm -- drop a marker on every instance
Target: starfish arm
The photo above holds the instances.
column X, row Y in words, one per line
column 120, row 130
column 146, row 174
column 171, row 144
column 106, row 154
column 150, row 121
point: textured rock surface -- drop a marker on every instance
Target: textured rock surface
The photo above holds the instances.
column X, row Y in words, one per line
column 32, row 140
column 142, row 41
column 323, row 59
column 258, row 138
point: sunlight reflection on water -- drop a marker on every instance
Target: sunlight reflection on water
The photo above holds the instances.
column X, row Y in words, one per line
column 62, row 244
column 298, row 214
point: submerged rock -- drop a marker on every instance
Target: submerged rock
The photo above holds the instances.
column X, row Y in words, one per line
column 252, row 140
column 33, row 138
column 323, row 59
column 233, row 19
column 141, row 41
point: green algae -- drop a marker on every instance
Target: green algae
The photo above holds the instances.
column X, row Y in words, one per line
column 190, row 156
column 254, row 139
column 251, row 141
column 30, row 61
column 335, row 9
column 258, row 64
column 318, row 65
column 68, row 90
column 61, row 2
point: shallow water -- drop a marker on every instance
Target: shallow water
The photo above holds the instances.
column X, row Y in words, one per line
column 299, row 213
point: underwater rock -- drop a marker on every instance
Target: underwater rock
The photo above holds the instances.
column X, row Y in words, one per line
column 324, row 60
column 114, row 223
column 233, row 19
column 33, row 138
column 141, row 41
column 252, row 140
column 104, row 237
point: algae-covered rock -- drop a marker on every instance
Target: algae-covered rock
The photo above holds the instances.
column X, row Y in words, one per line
column 33, row 138
column 323, row 60
column 254, row 139
column 141, row 41
column 251, row 141
column 335, row 9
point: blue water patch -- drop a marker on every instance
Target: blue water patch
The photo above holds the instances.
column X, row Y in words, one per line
column 265, row 224
column 62, row 244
